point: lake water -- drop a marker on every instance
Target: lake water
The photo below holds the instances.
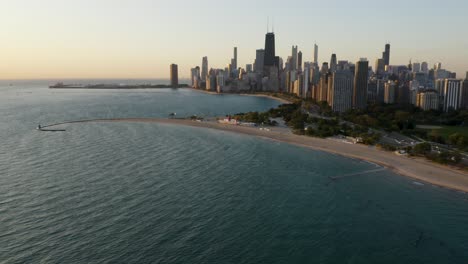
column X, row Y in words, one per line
column 152, row 193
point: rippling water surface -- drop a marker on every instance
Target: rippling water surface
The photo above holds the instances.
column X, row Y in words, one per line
column 150, row 193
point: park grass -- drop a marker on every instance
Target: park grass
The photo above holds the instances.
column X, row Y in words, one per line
column 447, row 131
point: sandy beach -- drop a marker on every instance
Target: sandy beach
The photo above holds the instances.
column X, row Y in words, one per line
column 282, row 100
column 416, row 168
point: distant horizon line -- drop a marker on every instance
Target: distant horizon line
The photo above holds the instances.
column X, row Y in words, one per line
column 90, row 78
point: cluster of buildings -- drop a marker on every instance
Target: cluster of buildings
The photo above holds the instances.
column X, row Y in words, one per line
column 416, row 84
column 342, row 84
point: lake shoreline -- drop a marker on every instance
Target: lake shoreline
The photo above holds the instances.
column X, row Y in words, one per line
column 282, row 100
column 414, row 168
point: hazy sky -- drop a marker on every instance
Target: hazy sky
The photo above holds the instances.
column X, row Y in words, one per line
column 140, row 38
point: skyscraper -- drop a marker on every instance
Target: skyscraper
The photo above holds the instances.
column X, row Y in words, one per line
column 428, row 100
column 306, row 83
column 464, row 95
column 174, row 71
column 220, row 81
column 195, row 77
column 360, row 84
column 425, row 67
column 299, row 61
column 452, row 94
column 294, row 58
column 270, row 54
column 322, row 93
column 235, row 58
column 280, row 63
column 402, row 94
column 340, row 92
column 204, row 71
column 333, row 63
column 325, row 68
column 315, row 74
column 386, row 55
column 379, row 66
column 389, row 95
column 416, row 67
column 259, row 61
column 316, row 54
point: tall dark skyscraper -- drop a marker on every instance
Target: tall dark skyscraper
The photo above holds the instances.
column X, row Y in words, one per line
column 174, row 75
column 204, row 71
column 386, row 55
column 360, row 84
column 316, row 54
column 234, row 60
column 259, row 61
column 270, row 55
column 299, row 61
column 294, row 58
column 333, row 63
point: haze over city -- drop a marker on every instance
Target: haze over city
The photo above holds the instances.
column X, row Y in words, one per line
column 139, row 39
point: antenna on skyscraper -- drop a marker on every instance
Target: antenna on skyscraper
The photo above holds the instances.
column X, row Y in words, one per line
column 268, row 24
column 273, row 29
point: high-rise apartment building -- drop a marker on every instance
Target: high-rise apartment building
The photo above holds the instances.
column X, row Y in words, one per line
column 464, row 95
column 452, row 94
column 439, row 86
column 259, row 61
column 220, row 81
column 325, row 68
column 389, row 95
column 376, row 90
column 416, row 67
column 360, row 84
column 174, row 72
column 294, row 58
column 195, row 77
column 333, row 63
column 340, row 90
column 299, row 61
column 316, row 54
column 322, row 93
column 204, row 71
column 306, row 83
column 379, row 66
column 343, row 65
column 315, row 74
column 428, row 100
column 211, row 81
column 425, row 67
column 234, row 62
column 402, row 94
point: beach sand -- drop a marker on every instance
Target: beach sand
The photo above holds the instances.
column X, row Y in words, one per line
column 282, row 100
column 416, row 168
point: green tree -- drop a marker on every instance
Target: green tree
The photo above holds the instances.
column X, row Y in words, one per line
column 423, row 149
column 458, row 140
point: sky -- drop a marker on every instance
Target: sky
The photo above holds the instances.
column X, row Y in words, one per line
column 43, row 39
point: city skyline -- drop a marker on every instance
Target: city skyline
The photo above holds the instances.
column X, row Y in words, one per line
column 100, row 43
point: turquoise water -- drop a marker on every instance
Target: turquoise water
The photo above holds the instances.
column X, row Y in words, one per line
column 151, row 193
